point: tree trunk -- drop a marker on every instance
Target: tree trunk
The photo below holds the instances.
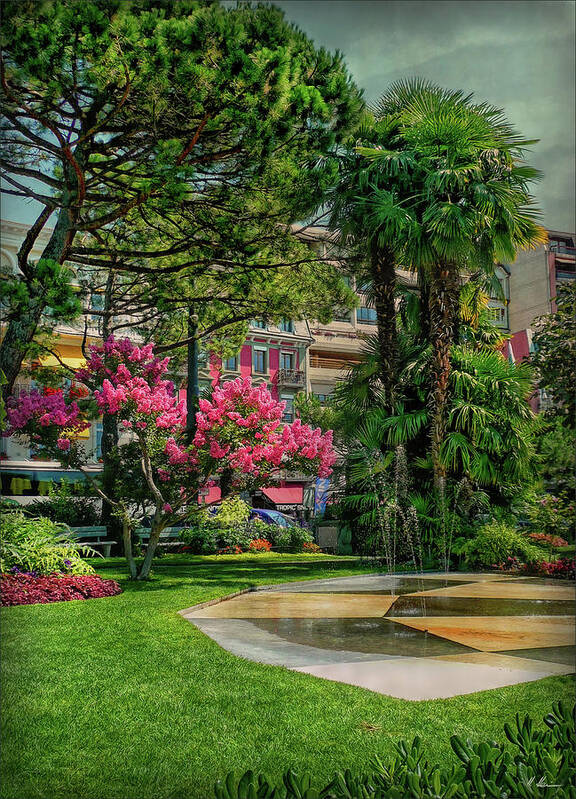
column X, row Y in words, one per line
column 382, row 268
column 109, row 431
column 226, row 483
column 192, row 385
column 127, row 541
column 155, row 533
column 443, row 306
column 21, row 329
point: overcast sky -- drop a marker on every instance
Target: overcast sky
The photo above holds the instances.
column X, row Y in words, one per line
column 518, row 54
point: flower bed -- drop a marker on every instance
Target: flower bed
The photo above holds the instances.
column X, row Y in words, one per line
column 562, row 568
column 22, row 588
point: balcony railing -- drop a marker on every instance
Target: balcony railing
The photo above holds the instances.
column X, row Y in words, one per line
column 291, row 377
column 562, row 249
column 318, row 362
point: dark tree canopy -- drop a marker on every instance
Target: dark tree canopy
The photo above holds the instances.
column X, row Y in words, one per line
column 161, row 133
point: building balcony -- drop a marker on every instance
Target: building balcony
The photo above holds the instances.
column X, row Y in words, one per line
column 562, row 249
column 294, row 378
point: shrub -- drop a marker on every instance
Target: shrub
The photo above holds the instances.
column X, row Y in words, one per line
column 495, row 542
column 200, row 540
column 41, row 546
column 310, row 546
column 63, row 506
column 540, row 764
column 550, row 514
column 234, row 550
column 29, row 589
column 298, row 537
column 279, row 536
column 546, row 538
column 259, row 545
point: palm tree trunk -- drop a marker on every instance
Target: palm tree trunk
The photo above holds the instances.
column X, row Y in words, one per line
column 382, row 268
column 443, row 307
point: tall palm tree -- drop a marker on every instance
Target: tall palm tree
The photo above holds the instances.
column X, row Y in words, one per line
column 375, row 239
column 469, row 207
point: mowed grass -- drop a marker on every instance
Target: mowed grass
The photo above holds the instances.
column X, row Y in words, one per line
column 122, row 698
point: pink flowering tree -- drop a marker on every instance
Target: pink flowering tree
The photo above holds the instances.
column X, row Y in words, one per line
column 240, row 439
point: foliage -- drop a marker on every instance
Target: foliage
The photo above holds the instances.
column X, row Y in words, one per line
column 545, row 538
column 541, row 765
column 232, row 510
column 562, row 568
column 29, row 589
column 231, row 550
column 311, row 547
column 496, row 541
column 555, row 353
column 213, row 534
column 239, row 437
column 179, row 156
column 549, row 514
column 62, row 505
column 40, row 546
column 259, row 545
column 557, row 454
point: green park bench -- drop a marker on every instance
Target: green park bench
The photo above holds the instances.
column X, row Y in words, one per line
column 97, row 538
column 169, row 537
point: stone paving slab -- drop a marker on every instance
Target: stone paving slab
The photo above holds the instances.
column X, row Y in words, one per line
column 426, row 678
column 269, row 605
column 507, row 590
column 494, row 633
column 247, row 640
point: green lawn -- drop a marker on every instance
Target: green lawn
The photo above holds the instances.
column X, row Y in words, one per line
column 122, row 698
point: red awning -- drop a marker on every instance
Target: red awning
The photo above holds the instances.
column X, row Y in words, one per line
column 285, row 495
column 212, row 496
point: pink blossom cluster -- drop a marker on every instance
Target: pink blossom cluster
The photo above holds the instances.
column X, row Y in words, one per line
column 241, row 427
column 27, row 589
column 35, row 409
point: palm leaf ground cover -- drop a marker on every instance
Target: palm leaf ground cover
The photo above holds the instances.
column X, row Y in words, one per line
column 122, row 698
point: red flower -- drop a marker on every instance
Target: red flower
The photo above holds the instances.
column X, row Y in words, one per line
column 24, row 589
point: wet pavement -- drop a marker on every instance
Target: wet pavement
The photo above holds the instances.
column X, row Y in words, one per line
column 415, row 637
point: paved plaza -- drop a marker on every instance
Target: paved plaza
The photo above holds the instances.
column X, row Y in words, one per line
column 413, row 637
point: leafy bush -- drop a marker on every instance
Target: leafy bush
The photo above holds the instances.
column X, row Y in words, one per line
column 563, row 568
column 41, row 546
column 29, row 589
column 235, row 550
column 65, row 507
column 541, row 765
column 200, row 540
column 495, row 542
column 546, row 538
column 551, row 515
column 310, row 546
column 298, row 537
column 259, row 545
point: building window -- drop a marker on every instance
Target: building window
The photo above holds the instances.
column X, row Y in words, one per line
column 231, row 364
column 259, row 361
column 203, row 359
column 342, row 315
column 286, row 326
column 367, row 316
column 287, row 360
column 98, row 430
column 258, row 323
column 288, row 415
column 324, row 399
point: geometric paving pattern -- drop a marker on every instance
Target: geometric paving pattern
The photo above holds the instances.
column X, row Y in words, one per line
column 414, row 637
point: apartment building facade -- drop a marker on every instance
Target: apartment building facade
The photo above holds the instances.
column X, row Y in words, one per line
column 534, row 279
